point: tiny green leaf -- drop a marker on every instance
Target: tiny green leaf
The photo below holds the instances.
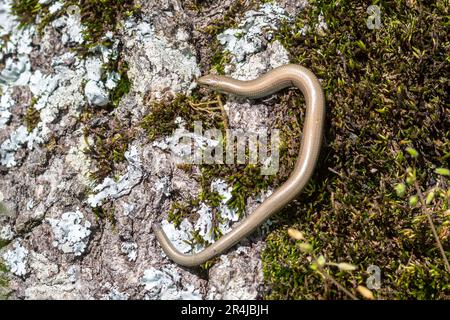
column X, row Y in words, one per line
column 442, row 171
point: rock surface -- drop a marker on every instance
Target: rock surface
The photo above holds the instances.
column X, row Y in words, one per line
column 56, row 246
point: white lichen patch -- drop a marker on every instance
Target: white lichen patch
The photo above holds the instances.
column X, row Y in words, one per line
column 96, row 93
column 6, row 103
column 165, row 284
column 15, row 46
column 55, row 7
column 17, row 260
column 56, row 93
column 204, row 224
column 253, row 66
column 227, row 215
column 95, row 90
column 224, row 190
column 7, row 20
column 52, row 93
column 160, row 65
column 112, row 189
column 71, row 232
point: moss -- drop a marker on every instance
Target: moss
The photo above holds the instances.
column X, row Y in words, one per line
column 98, row 16
column 122, row 88
column 246, row 180
column 230, row 17
column 105, row 213
column 110, row 142
column 421, row 279
column 220, row 58
column 385, row 91
column 3, row 243
column 4, row 282
column 161, row 118
column 110, row 136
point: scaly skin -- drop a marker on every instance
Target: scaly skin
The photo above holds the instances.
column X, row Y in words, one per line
column 271, row 82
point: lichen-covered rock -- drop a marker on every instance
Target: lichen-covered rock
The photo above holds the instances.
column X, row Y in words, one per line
column 253, row 33
column 6, row 233
column 70, row 232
